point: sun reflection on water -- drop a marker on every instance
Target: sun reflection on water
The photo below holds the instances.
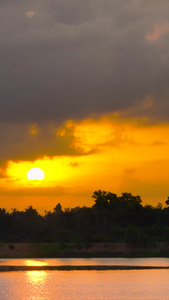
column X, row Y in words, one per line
column 37, row 277
column 36, row 263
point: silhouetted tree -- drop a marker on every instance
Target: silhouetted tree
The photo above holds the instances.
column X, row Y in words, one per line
column 111, row 218
column 101, row 198
column 167, row 201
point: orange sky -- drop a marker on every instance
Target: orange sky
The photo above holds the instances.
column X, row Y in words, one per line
column 111, row 152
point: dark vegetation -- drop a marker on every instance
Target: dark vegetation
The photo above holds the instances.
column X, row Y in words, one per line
column 110, row 219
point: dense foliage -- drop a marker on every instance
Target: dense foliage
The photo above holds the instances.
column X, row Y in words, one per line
column 110, row 219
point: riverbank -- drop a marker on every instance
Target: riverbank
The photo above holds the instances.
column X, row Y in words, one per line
column 51, row 250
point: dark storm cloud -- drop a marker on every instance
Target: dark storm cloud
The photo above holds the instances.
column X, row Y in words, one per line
column 18, row 143
column 67, row 59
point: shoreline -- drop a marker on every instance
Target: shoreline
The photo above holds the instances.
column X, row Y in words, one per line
column 71, row 250
column 4, row 268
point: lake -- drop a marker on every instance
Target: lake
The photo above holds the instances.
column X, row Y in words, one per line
column 85, row 285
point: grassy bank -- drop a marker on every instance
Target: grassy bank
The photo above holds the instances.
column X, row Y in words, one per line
column 51, row 250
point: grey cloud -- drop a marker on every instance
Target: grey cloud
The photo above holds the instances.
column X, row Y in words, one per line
column 18, row 144
column 73, row 58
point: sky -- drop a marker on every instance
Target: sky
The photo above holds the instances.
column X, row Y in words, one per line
column 84, row 96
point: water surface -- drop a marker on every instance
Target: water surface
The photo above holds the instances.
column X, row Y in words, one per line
column 85, row 285
column 161, row 261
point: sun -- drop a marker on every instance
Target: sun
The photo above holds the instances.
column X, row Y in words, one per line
column 35, row 174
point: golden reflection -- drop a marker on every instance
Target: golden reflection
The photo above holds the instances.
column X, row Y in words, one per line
column 35, row 263
column 36, row 277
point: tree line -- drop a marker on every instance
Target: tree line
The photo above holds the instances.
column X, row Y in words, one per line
column 112, row 218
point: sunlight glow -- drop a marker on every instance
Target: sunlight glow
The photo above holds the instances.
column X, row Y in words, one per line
column 108, row 153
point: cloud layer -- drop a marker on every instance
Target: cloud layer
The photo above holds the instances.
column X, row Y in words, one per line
column 69, row 59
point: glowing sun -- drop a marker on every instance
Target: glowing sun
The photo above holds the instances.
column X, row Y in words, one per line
column 35, row 174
